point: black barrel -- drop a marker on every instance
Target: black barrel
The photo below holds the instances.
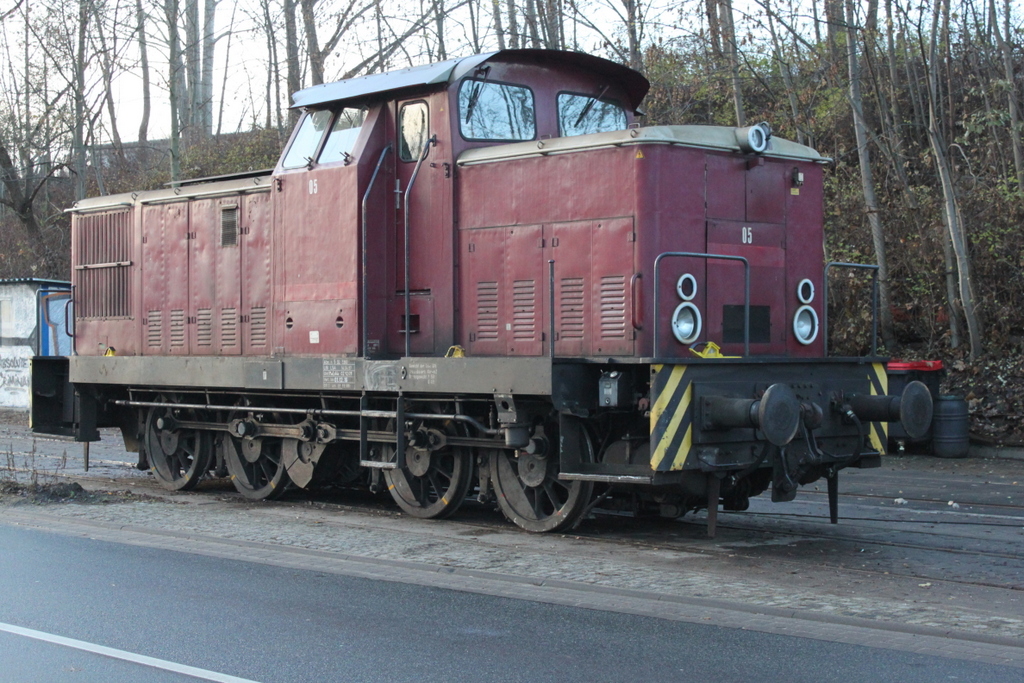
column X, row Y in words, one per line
column 949, row 427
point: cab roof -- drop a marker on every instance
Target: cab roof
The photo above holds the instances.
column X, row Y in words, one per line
column 632, row 82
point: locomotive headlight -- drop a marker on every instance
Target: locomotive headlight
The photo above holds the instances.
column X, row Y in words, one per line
column 805, row 325
column 686, row 287
column 805, row 291
column 686, row 323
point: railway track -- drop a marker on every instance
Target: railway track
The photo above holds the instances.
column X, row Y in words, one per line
column 871, row 545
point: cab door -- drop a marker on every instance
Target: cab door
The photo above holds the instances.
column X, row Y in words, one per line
column 430, row 250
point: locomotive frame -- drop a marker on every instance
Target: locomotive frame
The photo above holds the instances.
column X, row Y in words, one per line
column 429, row 301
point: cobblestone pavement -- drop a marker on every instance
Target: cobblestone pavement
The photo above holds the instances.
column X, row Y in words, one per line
column 677, row 565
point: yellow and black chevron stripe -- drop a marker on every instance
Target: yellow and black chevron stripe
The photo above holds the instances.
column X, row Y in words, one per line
column 671, row 417
column 879, row 431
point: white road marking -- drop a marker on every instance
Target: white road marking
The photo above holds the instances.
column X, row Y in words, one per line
column 123, row 655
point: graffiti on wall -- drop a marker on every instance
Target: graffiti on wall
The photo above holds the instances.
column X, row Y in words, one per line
column 14, row 376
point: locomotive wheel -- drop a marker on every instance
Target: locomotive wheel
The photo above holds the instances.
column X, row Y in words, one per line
column 531, row 495
column 256, row 467
column 178, row 458
column 433, row 484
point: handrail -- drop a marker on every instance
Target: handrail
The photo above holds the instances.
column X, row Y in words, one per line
column 724, row 257
column 874, row 303
column 366, row 296
column 408, row 191
column 551, row 307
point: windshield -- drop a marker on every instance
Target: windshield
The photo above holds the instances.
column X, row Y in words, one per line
column 496, row 111
column 583, row 114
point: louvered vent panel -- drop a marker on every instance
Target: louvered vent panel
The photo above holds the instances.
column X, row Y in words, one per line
column 487, row 311
column 177, row 328
column 613, row 307
column 258, row 326
column 204, row 327
column 524, row 310
column 571, row 310
column 103, row 254
column 154, row 328
column 229, row 328
column 229, row 226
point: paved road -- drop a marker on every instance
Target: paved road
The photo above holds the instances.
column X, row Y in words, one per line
column 268, row 623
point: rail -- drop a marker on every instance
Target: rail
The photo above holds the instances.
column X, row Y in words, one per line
column 408, row 289
column 874, row 302
column 366, row 297
column 723, row 257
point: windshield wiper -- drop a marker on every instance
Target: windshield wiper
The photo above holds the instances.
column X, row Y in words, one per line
column 475, row 94
column 589, row 106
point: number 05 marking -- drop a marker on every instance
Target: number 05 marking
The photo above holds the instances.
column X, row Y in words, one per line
column 312, row 186
column 748, row 236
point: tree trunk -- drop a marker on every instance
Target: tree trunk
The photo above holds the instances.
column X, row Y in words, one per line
column 316, row 57
column 173, row 85
column 951, row 209
column 530, row 17
column 867, row 179
column 191, row 99
column 439, row 16
column 514, row 39
column 209, row 48
column 79, row 123
column 1011, row 89
column 729, row 40
column 140, row 18
column 634, row 22
column 498, row 30
column 714, row 28
column 291, row 44
column 107, row 68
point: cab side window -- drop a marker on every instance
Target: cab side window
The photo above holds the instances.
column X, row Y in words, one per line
column 303, row 149
column 413, row 124
column 583, row 114
column 342, row 137
column 496, row 111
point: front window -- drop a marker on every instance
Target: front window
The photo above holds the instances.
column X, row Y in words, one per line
column 311, row 130
column 496, row 111
column 413, row 122
column 342, row 137
column 583, row 114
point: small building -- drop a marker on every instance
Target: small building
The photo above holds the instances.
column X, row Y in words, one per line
column 32, row 323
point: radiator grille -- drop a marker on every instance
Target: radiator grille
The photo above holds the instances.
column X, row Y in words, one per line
column 204, row 327
column 524, row 310
column 177, row 328
column 103, row 259
column 487, row 311
column 613, row 307
column 571, row 309
column 229, row 328
column 154, row 328
column 258, row 326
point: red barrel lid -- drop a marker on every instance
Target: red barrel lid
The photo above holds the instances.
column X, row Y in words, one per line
column 922, row 365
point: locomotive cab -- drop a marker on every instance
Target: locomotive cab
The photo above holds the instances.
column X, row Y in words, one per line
column 481, row 275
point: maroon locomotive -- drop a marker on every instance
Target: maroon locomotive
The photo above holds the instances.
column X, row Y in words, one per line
column 479, row 275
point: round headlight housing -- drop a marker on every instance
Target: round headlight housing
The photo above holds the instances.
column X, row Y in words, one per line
column 805, row 325
column 805, row 291
column 686, row 287
column 686, row 323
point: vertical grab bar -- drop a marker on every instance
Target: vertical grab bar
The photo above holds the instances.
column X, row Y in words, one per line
column 724, row 257
column 874, row 302
column 408, row 191
column 366, row 296
column 551, row 307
